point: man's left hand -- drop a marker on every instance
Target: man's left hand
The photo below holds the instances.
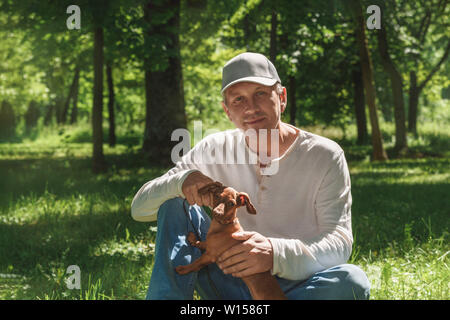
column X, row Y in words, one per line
column 254, row 255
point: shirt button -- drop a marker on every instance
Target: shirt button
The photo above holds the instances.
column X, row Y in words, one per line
column 263, row 188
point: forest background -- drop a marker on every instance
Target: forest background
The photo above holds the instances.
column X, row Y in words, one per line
column 89, row 98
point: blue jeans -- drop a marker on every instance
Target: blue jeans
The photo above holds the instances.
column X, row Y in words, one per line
column 340, row 282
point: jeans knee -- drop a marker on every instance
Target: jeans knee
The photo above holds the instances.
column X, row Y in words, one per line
column 172, row 211
column 173, row 205
column 176, row 213
column 355, row 282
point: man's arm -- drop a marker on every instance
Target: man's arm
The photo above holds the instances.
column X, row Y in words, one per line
column 299, row 259
column 183, row 180
column 154, row 193
column 296, row 259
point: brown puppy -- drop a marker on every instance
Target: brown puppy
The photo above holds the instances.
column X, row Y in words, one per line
column 263, row 286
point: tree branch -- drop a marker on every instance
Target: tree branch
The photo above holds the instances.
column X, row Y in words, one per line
column 436, row 67
column 444, row 2
column 426, row 26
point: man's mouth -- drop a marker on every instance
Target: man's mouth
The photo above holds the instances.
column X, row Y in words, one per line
column 253, row 121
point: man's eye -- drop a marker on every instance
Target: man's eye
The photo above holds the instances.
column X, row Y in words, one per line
column 230, row 203
column 238, row 99
column 260, row 93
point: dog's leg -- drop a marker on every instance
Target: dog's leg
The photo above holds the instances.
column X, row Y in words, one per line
column 192, row 239
column 263, row 286
column 201, row 262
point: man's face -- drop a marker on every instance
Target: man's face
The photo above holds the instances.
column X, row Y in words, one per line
column 254, row 106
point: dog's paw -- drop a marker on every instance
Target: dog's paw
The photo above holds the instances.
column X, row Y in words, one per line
column 192, row 239
column 181, row 270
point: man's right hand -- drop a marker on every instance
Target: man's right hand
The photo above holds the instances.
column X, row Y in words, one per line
column 191, row 184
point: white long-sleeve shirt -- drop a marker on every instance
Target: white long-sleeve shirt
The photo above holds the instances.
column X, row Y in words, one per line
column 304, row 208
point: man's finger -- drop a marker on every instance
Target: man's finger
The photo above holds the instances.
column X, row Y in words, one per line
column 189, row 198
column 233, row 260
column 239, row 248
column 188, row 195
column 208, row 199
column 243, row 235
column 244, row 272
column 197, row 197
column 237, row 268
column 205, row 199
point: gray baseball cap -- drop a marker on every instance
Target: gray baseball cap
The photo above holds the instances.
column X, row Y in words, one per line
column 249, row 67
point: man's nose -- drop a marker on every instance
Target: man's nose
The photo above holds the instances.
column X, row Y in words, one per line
column 250, row 106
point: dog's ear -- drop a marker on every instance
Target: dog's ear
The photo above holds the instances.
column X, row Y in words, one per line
column 243, row 199
column 212, row 187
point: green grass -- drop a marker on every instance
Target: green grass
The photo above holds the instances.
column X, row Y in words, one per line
column 55, row 213
column 400, row 222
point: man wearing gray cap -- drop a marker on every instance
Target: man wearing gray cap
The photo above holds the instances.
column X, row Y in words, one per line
column 299, row 184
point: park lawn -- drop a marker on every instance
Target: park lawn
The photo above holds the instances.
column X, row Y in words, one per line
column 55, row 213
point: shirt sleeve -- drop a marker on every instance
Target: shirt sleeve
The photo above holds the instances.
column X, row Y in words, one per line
column 154, row 193
column 297, row 259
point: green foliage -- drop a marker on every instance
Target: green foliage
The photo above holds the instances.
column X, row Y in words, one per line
column 315, row 45
column 54, row 212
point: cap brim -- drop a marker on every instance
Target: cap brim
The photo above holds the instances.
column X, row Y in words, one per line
column 261, row 80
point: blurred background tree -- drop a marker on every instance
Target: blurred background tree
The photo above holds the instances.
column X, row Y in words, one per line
column 157, row 67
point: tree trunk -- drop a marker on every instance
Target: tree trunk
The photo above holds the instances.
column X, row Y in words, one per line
column 7, row 120
column 31, row 116
column 413, row 102
column 59, row 106
column 366, row 65
column 291, row 98
column 164, row 88
column 74, row 113
column 99, row 163
column 358, row 100
column 70, row 95
column 397, row 91
column 49, row 115
column 112, row 125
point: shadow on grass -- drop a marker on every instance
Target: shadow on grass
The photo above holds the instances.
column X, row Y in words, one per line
column 68, row 176
column 66, row 239
column 384, row 211
column 384, row 215
column 381, row 206
column 67, row 214
column 109, row 246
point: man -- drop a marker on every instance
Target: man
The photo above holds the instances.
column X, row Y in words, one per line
column 299, row 185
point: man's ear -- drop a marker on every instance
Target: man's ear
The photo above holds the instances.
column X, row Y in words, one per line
column 226, row 110
column 283, row 99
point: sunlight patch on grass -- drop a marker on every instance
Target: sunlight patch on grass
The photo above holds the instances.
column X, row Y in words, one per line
column 55, row 213
column 423, row 273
